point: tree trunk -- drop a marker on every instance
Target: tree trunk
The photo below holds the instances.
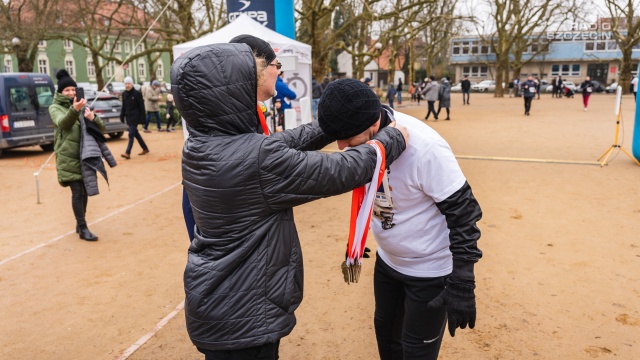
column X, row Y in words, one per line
column 626, row 69
column 25, row 58
column 499, row 79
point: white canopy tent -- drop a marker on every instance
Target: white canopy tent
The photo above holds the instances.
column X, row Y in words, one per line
column 294, row 55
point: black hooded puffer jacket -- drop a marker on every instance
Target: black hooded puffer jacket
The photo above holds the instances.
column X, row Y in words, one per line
column 243, row 279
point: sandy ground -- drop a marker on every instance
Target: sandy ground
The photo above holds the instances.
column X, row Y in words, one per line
column 560, row 276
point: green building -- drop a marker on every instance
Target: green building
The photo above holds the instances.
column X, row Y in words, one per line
column 54, row 55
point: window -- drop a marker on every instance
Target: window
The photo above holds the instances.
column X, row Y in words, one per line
column 44, row 95
column 455, row 48
column 474, row 71
column 42, row 43
column 127, row 47
column 68, row 44
column 107, row 46
column 108, row 71
column 575, row 70
column 140, row 48
column 141, row 70
column 91, row 68
column 19, row 99
column 70, row 66
column 465, row 47
column 474, row 47
column 159, row 70
column 565, row 69
column 43, row 66
column 117, row 47
column 470, row 47
column 600, row 45
column 8, row 65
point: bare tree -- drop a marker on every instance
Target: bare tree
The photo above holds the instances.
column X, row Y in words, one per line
column 30, row 21
column 517, row 25
column 362, row 20
column 625, row 26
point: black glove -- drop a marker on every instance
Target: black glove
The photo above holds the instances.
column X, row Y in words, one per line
column 460, row 302
column 365, row 254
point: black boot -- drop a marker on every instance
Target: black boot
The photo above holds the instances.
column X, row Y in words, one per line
column 85, row 234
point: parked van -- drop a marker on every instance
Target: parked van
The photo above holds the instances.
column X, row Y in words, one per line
column 24, row 111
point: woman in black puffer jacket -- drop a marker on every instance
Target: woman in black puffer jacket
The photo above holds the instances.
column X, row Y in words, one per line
column 244, row 278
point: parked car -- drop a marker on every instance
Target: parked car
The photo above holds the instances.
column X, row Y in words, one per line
column 484, row 86
column 611, row 88
column 116, row 88
column 458, row 87
column 24, row 110
column 108, row 107
column 597, row 86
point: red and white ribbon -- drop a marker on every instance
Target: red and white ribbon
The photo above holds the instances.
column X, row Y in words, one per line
column 361, row 207
column 263, row 121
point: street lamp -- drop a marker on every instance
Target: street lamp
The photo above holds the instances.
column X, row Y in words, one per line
column 378, row 46
column 16, row 45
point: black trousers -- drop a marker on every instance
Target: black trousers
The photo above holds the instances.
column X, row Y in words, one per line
column 527, row 104
column 79, row 200
column 262, row 352
column 405, row 328
column 133, row 133
column 465, row 96
column 432, row 109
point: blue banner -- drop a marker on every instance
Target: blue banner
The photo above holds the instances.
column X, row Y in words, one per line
column 635, row 145
column 261, row 11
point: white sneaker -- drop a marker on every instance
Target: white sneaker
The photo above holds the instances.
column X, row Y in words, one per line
column 585, row 109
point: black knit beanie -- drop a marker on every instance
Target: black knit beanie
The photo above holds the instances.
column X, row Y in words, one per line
column 64, row 80
column 259, row 46
column 347, row 108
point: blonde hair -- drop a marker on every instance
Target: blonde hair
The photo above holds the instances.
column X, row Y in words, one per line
column 261, row 66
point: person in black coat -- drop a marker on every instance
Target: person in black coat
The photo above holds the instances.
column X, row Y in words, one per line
column 466, row 90
column 243, row 279
column 134, row 113
column 171, row 120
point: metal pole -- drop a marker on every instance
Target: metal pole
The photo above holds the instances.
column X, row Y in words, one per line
column 37, row 188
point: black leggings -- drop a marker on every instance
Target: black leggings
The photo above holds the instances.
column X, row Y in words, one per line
column 440, row 108
column 262, row 352
column 527, row 104
column 432, row 109
column 405, row 328
column 79, row 200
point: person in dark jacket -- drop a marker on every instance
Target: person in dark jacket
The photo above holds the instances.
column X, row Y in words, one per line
column 171, row 120
column 587, row 89
column 244, row 278
column 528, row 93
column 399, row 91
column 465, row 86
column 65, row 114
column 425, row 224
column 444, row 97
column 391, row 93
column 133, row 112
column 316, row 93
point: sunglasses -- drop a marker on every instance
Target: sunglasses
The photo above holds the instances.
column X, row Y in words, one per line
column 277, row 65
